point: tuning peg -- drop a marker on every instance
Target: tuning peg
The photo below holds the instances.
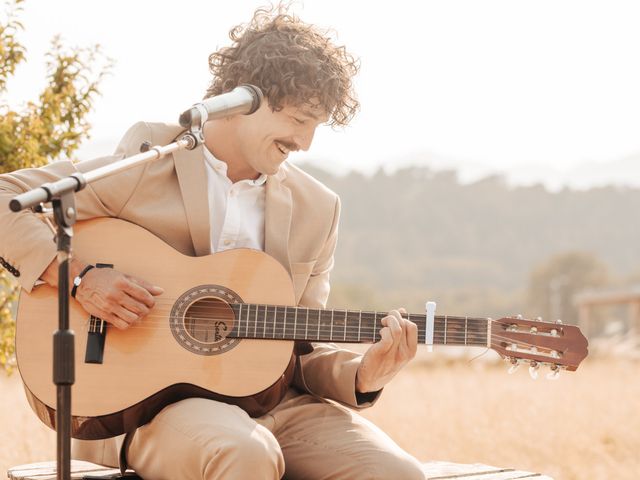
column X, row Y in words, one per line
column 559, row 322
column 519, row 317
column 515, row 364
column 538, row 319
column 533, row 370
column 554, row 373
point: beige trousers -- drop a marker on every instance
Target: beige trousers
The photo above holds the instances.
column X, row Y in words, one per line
column 302, row 438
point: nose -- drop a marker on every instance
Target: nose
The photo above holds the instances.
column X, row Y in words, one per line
column 304, row 138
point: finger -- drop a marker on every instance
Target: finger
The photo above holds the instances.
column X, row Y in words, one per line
column 125, row 315
column 114, row 320
column 149, row 287
column 386, row 340
column 134, row 289
column 411, row 338
column 393, row 323
column 131, row 304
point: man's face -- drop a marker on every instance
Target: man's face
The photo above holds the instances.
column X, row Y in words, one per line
column 265, row 138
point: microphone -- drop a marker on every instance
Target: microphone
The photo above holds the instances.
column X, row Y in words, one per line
column 242, row 100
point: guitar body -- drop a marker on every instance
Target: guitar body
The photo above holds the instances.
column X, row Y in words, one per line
column 167, row 356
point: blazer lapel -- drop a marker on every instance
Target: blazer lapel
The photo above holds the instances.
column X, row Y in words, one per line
column 277, row 219
column 192, row 178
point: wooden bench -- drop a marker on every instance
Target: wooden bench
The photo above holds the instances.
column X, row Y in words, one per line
column 433, row 471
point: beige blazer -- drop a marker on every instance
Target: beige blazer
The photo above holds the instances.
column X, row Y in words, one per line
column 169, row 198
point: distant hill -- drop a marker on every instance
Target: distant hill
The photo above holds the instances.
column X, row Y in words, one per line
column 417, row 232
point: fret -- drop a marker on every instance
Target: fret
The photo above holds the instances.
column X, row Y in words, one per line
column 252, row 320
column 465, row 329
column 314, row 328
column 284, row 322
column 344, row 336
column 264, row 322
column 326, row 325
column 239, row 329
column 272, row 321
column 477, row 331
column 338, row 318
column 318, row 333
column 306, row 326
column 352, row 318
column 289, row 322
column 409, row 318
column 255, row 323
column 359, row 325
column 331, row 331
column 251, row 327
column 375, row 325
column 246, row 319
column 445, row 329
column 239, row 319
column 275, row 319
column 457, row 335
column 295, row 322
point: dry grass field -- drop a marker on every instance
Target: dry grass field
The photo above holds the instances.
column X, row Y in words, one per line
column 584, row 426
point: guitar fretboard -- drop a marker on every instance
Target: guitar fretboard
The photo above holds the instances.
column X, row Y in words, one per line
column 279, row 322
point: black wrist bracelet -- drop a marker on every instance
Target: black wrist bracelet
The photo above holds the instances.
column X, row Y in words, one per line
column 78, row 280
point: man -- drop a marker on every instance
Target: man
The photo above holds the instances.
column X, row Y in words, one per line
column 237, row 191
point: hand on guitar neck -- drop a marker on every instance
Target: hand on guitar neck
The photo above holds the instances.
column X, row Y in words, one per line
column 383, row 360
column 108, row 294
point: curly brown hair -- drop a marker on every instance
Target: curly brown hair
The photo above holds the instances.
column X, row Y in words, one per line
column 292, row 62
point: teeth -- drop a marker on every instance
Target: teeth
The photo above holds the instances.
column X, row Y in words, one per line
column 282, row 148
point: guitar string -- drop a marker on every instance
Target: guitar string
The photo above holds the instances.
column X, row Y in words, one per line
column 340, row 311
column 206, row 322
column 369, row 331
column 453, row 343
column 455, row 322
column 290, row 319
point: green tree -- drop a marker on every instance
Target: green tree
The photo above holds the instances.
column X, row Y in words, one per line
column 45, row 130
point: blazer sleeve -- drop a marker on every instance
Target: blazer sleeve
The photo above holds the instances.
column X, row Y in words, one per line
column 27, row 244
column 329, row 371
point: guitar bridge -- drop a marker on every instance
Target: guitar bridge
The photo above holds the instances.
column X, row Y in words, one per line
column 97, row 334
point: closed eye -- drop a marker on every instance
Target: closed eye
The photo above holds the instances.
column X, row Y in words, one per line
column 298, row 120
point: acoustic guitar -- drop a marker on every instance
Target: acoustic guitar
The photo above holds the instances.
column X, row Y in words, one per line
column 224, row 328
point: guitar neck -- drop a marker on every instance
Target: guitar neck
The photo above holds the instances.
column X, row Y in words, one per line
column 278, row 322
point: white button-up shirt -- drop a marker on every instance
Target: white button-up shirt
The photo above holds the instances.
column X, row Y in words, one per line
column 236, row 209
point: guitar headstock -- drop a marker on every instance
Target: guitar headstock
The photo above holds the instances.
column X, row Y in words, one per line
column 560, row 346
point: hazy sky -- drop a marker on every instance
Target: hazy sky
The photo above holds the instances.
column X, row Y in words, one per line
column 507, row 85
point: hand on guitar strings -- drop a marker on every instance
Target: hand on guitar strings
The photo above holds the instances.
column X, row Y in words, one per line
column 118, row 298
column 384, row 359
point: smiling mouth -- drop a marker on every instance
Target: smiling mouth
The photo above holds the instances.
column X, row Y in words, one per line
column 284, row 150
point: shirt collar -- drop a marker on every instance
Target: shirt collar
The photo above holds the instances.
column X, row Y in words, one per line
column 221, row 167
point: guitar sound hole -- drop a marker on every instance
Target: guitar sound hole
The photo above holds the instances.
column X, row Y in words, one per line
column 208, row 320
column 201, row 320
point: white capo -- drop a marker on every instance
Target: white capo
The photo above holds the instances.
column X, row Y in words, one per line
column 431, row 312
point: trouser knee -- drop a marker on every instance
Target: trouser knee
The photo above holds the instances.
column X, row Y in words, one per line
column 255, row 456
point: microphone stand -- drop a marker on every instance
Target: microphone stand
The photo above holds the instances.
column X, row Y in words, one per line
column 61, row 196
